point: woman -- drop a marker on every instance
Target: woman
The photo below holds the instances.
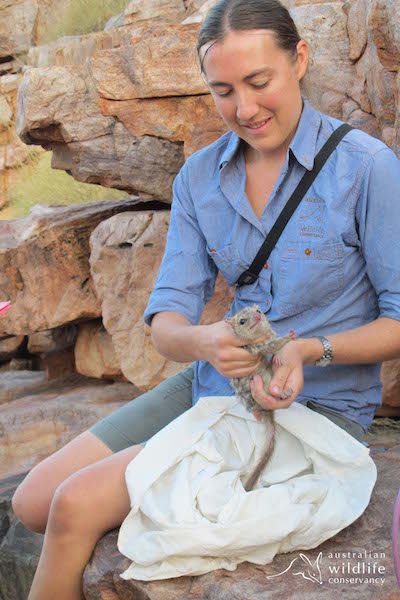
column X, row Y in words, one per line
column 332, row 273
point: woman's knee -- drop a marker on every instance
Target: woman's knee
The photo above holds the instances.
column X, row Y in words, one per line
column 32, row 499
column 29, row 502
column 72, row 508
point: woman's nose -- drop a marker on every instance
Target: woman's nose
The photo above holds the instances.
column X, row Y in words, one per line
column 246, row 107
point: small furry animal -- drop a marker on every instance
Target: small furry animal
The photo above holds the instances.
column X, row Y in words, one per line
column 250, row 323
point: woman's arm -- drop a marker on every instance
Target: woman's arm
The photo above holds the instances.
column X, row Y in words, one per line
column 177, row 339
column 374, row 342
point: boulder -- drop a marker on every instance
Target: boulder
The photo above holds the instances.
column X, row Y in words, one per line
column 192, row 120
column 58, row 109
column 17, row 22
column 95, row 355
column 384, row 24
column 19, row 548
column 126, row 253
column 9, row 346
column 143, row 10
column 44, row 265
column 52, row 340
column 43, row 418
column 331, row 72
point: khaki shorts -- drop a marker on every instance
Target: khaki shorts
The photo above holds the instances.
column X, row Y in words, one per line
column 140, row 419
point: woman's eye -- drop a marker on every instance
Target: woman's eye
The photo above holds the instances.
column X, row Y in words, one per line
column 223, row 94
column 259, row 86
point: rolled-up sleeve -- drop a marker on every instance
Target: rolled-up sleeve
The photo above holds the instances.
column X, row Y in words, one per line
column 379, row 229
column 186, row 278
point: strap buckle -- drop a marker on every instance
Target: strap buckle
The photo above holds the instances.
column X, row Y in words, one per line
column 246, row 278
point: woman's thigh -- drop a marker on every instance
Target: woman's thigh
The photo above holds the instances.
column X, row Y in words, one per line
column 140, row 418
column 137, row 421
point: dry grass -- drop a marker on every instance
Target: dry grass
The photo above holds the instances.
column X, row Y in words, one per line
column 78, row 17
column 37, row 183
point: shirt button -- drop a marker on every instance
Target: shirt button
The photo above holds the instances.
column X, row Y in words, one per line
column 267, row 302
column 213, row 250
column 266, row 266
column 307, row 251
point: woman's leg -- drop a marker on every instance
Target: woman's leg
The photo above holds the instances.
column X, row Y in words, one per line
column 32, row 499
column 85, row 506
column 130, row 425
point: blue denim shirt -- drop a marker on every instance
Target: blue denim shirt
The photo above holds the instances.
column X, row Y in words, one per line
column 335, row 267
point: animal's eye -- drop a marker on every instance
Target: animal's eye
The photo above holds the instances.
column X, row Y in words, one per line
column 242, row 321
column 259, row 311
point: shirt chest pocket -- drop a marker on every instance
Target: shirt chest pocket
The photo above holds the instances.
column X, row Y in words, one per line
column 228, row 262
column 311, row 275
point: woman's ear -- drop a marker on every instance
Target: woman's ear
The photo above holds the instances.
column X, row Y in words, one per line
column 302, row 59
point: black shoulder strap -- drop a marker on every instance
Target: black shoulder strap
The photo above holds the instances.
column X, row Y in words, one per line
column 250, row 276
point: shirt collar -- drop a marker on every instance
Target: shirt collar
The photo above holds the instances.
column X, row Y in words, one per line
column 303, row 144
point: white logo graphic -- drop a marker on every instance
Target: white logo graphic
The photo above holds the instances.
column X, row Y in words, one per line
column 304, row 567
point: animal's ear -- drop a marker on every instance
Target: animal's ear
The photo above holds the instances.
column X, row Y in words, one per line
column 306, row 560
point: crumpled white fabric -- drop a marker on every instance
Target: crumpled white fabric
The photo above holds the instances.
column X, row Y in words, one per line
column 190, row 513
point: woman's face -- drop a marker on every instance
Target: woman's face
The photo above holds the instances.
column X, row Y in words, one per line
column 255, row 86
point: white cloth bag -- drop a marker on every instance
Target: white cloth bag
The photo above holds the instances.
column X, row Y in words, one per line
column 190, row 513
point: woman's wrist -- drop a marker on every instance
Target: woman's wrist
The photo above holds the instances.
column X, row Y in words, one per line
column 311, row 350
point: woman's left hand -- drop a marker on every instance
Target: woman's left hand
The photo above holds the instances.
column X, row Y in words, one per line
column 287, row 381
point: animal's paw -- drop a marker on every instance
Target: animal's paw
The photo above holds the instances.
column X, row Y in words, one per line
column 286, row 393
column 276, row 361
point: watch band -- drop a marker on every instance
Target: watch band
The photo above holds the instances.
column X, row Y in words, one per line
column 327, row 356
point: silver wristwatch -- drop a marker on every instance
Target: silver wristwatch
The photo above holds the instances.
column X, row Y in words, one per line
column 327, row 356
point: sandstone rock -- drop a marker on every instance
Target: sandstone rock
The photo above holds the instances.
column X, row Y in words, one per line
column 52, row 340
column 201, row 11
column 95, row 354
column 323, row 26
column 19, row 548
column 43, row 419
column 17, row 20
column 140, row 10
column 44, row 265
column 192, row 120
column 14, row 384
column 21, row 364
column 62, row 113
column 357, row 27
column 9, row 346
column 371, row 533
column 125, row 257
column 161, row 63
column 378, row 85
column 5, row 113
column 390, row 375
column 384, row 23
column 57, row 365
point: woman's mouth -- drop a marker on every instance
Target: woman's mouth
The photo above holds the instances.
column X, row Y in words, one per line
column 258, row 127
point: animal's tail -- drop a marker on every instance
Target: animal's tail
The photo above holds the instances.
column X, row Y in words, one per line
column 270, row 435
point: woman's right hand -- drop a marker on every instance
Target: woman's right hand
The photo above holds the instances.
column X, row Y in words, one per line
column 224, row 350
